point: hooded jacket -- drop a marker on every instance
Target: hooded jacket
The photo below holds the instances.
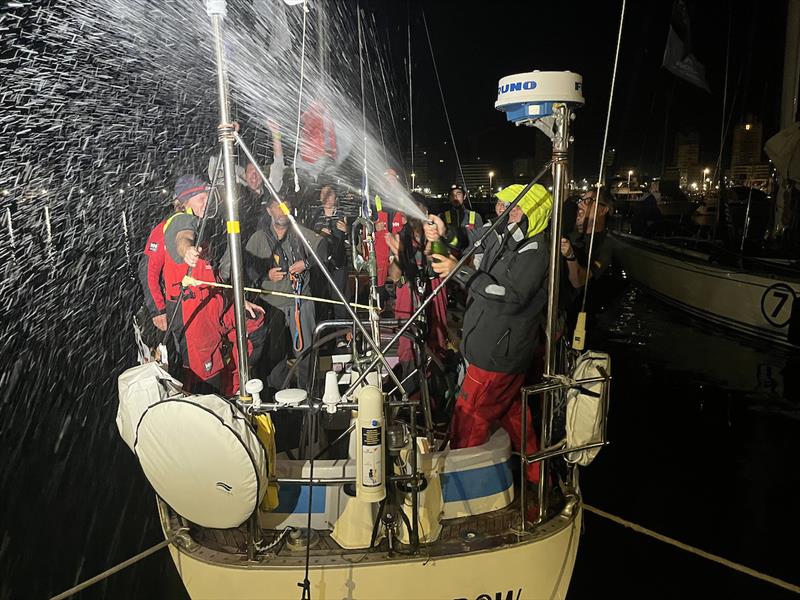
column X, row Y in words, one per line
column 507, row 291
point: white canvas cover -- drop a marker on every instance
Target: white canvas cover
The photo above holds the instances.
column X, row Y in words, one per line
column 199, row 453
column 139, row 388
column 585, row 408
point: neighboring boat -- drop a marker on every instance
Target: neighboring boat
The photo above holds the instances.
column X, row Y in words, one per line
column 756, row 297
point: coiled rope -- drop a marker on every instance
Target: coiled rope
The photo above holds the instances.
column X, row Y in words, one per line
column 693, row 550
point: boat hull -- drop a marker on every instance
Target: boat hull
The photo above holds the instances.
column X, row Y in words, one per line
column 538, row 568
column 759, row 305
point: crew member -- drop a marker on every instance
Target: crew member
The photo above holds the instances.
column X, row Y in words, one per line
column 202, row 321
column 276, row 260
column 151, row 267
column 255, row 194
column 507, row 294
column 462, row 225
column 327, row 220
column 575, row 250
column 415, row 280
column 386, row 221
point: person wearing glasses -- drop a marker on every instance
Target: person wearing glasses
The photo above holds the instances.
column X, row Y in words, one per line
column 575, row 247
column 591, row 217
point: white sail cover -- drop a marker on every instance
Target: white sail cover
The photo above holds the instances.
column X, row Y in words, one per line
column 139, row 388
column 585, row 407
column 199, row 453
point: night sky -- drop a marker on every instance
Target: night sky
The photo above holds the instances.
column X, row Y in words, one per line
column 478, row 43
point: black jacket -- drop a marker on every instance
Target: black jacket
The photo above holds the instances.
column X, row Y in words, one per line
column 506, row 301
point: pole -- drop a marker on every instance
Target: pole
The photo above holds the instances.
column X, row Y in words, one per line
column 561, row 112
column 216, row 9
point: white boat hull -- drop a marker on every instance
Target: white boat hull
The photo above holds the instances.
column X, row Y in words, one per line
column 754, row 304
column 539, row 568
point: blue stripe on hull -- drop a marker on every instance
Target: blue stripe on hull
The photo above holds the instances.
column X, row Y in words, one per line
column 476, row 483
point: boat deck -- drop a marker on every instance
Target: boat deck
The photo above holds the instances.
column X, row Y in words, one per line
column 463, row 535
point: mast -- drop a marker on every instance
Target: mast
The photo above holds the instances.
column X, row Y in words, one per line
column 789, row 100
column 216, row 9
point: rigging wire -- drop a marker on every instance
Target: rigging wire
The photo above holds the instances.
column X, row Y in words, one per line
column 391, row 114
column 600, row 178
column 444, row 104
column 410, row 96
column 300, row 98
column 375, row 100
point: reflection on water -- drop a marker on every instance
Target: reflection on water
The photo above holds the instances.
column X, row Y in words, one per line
column 694, row 351
column 703, row 436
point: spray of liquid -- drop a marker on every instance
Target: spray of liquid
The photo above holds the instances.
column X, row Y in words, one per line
column 104, row 104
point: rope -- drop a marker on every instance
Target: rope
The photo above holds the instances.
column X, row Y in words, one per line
column 600, row 179
column 113, row 570
column 276, row 541
column 300, row 99
column 696, row 551
column 297, row 286
column 191, row 281
column 444, row 104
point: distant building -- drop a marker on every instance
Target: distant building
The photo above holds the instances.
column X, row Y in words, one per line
column 687, row 157
column 523, row 169
column 476, row 177
column 747, row 166
column 542, row 149
column 421, row 168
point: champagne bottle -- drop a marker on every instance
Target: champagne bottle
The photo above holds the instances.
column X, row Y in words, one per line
column 439, row 247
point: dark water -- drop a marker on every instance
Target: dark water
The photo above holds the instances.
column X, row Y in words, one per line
column 704, row 429
column 704, row 432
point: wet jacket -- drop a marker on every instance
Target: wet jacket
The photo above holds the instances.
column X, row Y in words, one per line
column 392, row 222
column 151, row 265
column 507, row 296
column 337, row 250
column 264, row 251
column 200, row 326
column 462, row 227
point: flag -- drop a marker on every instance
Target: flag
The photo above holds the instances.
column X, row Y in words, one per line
column 678, row 57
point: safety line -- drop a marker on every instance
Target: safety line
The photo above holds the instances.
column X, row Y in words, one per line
column 696, row 551
column 113, row 570
column 191, row 281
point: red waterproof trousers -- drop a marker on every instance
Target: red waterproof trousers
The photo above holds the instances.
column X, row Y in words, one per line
column 488, row 399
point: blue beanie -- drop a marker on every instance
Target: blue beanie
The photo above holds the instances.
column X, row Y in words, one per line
column 188, row 186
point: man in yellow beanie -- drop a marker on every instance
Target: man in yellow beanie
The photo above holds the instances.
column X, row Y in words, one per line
column 507, row 294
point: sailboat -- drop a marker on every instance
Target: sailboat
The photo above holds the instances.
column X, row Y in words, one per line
column 398, row 514
column 754, row 296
